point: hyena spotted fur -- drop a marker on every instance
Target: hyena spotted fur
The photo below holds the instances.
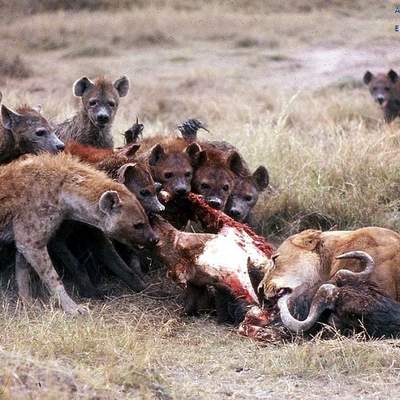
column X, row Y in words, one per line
column 25, row 131
column 38, row 193
column 247, row 186
column 91, row 125
column 123, row 166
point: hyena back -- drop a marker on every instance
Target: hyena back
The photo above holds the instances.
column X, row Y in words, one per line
column 123, row 166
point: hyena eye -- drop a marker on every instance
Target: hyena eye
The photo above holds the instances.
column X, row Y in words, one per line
column 92, row 102
column 374, row 88
column 248, row 198
column 386, row 88
column 138, row 226
column 41, row 132
column 205, row 186
column 145, row 193
column 111, row 103
column 225, row 188
column 168, row 175
column 188, row 174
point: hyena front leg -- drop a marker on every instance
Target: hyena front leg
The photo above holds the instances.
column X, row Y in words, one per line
column 23, row 277
column 39, row 259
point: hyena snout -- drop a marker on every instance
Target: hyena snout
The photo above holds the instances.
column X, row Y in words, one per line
column 181, row 190
column 55, row 145
column 236, row 214
column 103, row 118
column 380, row 99
column 153, row 205
column 215, row 202
column 152, row 238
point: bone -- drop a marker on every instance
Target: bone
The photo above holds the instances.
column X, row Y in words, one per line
column 361, row 255
column 323, row 299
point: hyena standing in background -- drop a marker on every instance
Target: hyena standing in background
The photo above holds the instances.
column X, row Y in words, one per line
column 385, row 89
column 92, row 123
column 25, row 131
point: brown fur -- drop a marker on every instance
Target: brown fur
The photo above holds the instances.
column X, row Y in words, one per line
column 246, row 186
column 215, row 175
column 38, row 193
column 385, row 90
column 171, row 161
column 136, row 177
column 308, row 258
column 91, row 125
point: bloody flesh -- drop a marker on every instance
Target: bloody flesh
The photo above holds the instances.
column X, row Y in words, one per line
column 216, row 219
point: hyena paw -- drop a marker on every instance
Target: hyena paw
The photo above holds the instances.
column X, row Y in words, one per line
column 70, row 307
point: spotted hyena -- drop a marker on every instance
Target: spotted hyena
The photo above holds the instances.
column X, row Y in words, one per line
column 38, row 193
column 245, row 193
column 92, row 123
column 25, row 131
column 122, row 165
column 215, row 174
column 247, row 186
column 385, row 90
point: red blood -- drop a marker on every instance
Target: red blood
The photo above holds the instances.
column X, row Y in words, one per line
column 237, row 288
column 216, row 219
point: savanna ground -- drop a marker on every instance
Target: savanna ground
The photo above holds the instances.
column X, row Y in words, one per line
column 282, row 81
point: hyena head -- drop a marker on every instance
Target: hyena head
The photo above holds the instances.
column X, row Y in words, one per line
column 214, row 176
column 137, row 178
column 125, row 219
column 100, row 99
column 31, row 131
column 245, row 194
column 382, row 86
column 173, row 169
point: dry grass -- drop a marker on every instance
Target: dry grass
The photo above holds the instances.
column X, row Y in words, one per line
column 281, row 80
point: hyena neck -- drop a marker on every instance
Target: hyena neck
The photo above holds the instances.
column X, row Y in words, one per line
column 8, row 147
column 81, row 209
column 91, row 134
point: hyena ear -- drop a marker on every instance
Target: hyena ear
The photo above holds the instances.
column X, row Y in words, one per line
column 367, row 77
column 127, row 173
column 235, row 163
column 261, row 178
column 308, row 239
column 157, row 152
column 193, row 151
column 202, row 157
column 122, row 86
column 9, row 118
column 81, row 86
column 130, row 150
column 393, row 76
column 109, row 202
column 37, row 108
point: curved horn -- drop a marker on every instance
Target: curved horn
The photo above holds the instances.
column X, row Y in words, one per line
column 324, row 299
column 360, row 255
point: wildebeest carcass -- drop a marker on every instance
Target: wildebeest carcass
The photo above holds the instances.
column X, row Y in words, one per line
column 350, row 302
column 221, row 267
